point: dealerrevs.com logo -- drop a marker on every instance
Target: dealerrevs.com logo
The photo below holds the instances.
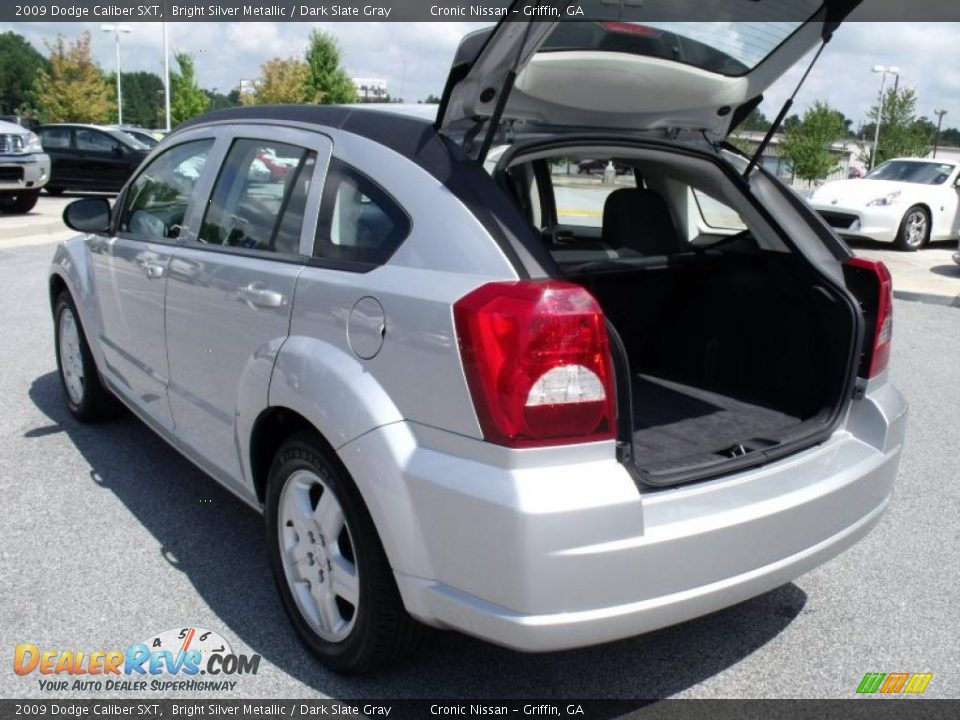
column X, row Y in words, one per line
column 172, row 660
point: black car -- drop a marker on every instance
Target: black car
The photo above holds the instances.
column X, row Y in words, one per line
column 88, row 157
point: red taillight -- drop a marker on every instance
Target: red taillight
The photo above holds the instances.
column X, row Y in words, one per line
column 537, row 361
column 879, row 313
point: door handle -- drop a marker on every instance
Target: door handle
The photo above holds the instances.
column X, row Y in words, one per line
column 256, row 294
column 153, row 271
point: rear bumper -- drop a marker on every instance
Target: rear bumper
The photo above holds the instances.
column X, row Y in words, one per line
column 27, row 172
column 539, row 555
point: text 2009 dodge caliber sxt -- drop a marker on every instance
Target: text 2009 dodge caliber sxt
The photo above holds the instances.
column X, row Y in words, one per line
column 454, row 408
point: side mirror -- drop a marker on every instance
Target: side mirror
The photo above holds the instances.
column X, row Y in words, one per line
column 118, row 150
column 88, row 215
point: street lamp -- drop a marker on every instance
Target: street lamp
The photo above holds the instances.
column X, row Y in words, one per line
column 936, row 139
column 116, row 30
column 884, row 69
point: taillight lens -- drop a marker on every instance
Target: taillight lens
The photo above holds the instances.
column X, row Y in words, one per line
column 879, row 312
column 537, row 361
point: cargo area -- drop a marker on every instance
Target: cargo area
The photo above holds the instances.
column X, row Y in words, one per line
column 732, row 353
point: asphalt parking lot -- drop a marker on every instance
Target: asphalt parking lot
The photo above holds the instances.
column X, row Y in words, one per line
column 109, row 536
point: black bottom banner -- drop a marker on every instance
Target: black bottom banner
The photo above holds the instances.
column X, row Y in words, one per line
column 865, row 709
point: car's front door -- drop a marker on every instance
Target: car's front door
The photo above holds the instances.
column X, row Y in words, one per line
column 231, row 286
column 102, row 159
column 131, row 268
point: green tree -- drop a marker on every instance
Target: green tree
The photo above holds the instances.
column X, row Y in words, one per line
column 282, row 81
column 73, row 89
column 219, row 100
column 186, row 97
column 902, row 133
column 755, row 121
column 807, row 143
column 431, row 100
column 790, row 122
column 20, row 64
column 950, row 136
column 142, row 98
column 328, row 81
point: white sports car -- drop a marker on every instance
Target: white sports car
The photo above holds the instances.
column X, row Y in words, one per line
column 908, row 201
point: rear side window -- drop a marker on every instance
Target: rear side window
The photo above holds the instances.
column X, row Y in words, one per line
column 358, row 219
column 54, row 138
column 716, row 214
column 259, row 198
column 156, row 203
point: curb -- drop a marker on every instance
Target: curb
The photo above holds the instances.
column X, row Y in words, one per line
column 928, row 298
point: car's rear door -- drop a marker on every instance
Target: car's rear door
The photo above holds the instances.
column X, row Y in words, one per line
column 57, row 142
column 231, row 285
column 131, row 266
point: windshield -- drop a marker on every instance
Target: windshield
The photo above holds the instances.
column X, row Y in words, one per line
column 130, row 140
column 923, row 173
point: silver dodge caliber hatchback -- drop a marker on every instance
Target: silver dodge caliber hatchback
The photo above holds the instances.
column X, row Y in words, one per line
column 471, row 390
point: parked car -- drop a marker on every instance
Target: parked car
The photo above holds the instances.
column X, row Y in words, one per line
column 597, row 167
column 907, row 201
column 24, row 168
column 445, row 416
column 145, row 137
column 89, row 157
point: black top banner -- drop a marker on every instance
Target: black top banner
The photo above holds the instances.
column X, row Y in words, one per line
column 130, row 11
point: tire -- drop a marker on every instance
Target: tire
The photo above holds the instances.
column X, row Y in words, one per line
column 54, row 190
column 87, row 399
column 914, row 230
column 362, row 625
column 22, row 202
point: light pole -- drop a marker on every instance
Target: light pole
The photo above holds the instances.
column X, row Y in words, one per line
column 884, row 69
column 116, row 30
column 166, row 77
column 936, row 138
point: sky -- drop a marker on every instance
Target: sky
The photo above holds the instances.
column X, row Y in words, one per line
column 414, row 57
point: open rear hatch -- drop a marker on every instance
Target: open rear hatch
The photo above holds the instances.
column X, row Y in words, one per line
column 733, row 356
column 627, row 67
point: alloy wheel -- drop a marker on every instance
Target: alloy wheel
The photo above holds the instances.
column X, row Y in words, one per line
column 317, row 552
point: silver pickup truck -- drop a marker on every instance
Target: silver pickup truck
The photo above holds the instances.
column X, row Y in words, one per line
column 24, row 168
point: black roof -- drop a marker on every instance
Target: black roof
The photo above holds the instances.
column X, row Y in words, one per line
column 402, row 133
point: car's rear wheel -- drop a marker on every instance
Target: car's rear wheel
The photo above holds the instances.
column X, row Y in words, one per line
column 22, row 202
column 914, row 230
column 330, row 567
column 87, row 399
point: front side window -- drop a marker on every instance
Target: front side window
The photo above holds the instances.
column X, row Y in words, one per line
column 156, row 203
column 259, row 198
column 93, row 141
